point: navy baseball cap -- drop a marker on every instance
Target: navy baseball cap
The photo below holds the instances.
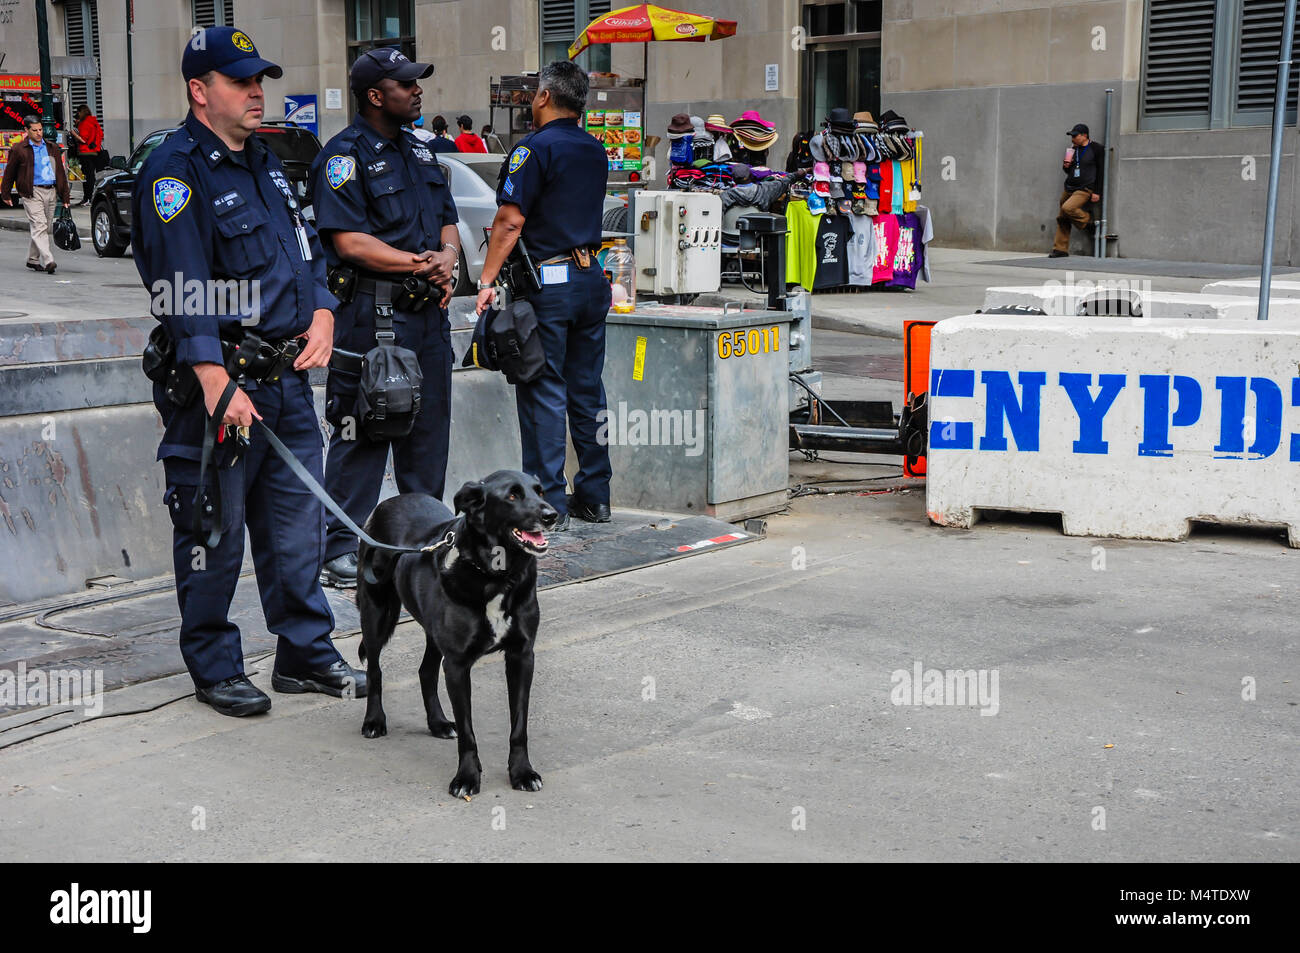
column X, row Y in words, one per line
column 1079, row 130
column 386, row 62
column 226, row 50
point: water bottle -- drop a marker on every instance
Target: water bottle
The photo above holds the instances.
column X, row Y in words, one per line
column 621, row 267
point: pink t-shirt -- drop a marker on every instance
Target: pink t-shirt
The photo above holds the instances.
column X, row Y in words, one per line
column 886, row 248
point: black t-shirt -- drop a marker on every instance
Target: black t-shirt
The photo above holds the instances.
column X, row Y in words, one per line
column 1082, row 173
column 832, row 252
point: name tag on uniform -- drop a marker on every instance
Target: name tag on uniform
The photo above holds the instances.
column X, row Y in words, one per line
column 555, row 274
column 378, row 167
column 228, row 201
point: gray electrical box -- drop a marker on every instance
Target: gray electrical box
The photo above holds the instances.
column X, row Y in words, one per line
column 699, row 410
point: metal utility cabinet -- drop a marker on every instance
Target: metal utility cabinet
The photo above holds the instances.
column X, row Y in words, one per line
column 677, row 237
column 698, row 409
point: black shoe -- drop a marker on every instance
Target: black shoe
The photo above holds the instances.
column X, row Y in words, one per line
column 236, row 697
column 340, row 572
column 49, row 269
column 590, row 512
column 34, row 266
column 561, row 525
column 1058, row 254
column 339, row 680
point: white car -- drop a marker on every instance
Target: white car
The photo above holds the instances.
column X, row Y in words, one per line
column 473, row 178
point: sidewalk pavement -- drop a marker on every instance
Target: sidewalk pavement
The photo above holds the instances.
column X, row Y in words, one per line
column 960, row 277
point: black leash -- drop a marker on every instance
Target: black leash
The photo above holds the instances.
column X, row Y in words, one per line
column 298, row 470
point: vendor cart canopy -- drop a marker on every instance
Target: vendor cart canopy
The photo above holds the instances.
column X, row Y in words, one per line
column 646, row 23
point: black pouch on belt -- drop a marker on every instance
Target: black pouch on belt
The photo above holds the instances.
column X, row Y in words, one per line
column 388, row 396
column 159, row 365
column 342, row 280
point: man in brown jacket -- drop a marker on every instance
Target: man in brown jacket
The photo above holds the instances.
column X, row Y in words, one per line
column 36, row 168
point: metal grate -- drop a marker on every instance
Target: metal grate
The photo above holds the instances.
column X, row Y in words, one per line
column 1261, row 40
column 208, row 13
column 1179, row 57
column 560, row 19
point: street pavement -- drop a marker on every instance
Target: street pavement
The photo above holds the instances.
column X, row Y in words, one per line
column 749, row 704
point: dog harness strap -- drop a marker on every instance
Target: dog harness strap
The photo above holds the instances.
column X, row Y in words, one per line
column 319, row 492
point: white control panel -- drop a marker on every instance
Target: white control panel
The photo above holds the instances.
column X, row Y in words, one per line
column 678, row 242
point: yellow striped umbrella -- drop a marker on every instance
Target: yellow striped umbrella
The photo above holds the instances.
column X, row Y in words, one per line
column 646, row 23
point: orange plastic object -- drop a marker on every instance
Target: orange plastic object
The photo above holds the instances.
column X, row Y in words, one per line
column 916, row 374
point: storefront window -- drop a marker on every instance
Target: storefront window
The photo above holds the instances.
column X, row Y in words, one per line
column 841, row 61
column 374, row 23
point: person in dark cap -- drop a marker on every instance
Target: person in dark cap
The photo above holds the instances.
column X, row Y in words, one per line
column 212, row 206
column 552, row 195
column 388, row 222
column 467, row 141
column 1082, row 165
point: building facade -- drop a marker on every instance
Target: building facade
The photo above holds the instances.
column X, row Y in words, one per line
column 993, row 84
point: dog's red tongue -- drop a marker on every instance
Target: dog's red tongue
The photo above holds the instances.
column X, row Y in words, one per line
column 537, row 539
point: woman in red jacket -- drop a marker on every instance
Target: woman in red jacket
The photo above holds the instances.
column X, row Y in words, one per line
column 89, row 139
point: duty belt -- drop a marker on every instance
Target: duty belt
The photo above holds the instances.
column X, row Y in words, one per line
column 408, row 294
column 579, row 256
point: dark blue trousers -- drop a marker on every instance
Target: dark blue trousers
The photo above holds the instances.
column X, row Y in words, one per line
column 571, row 322
column 286, row 528
column 354, row 468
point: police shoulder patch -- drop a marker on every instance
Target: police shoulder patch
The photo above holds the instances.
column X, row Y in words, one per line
column 170, row 196
column 518, row 158
column 338, row 169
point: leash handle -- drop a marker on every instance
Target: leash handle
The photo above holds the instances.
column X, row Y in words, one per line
column 213, row 536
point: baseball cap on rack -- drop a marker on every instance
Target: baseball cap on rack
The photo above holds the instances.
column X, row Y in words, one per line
column 227, row 50
column 374, row 66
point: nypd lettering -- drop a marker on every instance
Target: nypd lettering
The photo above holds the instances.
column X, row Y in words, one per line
column 1170, row 403
column 338, row 169
column 170, row 196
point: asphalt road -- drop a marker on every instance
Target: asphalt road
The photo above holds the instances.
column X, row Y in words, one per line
column 747, row 704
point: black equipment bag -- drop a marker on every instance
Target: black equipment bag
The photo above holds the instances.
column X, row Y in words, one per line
column 388, row 395
column 65, row 230
column 506, row 340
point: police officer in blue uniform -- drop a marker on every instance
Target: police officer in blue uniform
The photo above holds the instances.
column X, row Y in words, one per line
column 386, row 216
column 236, row 275
column 552, row 193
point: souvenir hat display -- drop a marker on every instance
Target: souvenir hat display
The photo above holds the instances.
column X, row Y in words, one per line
column 751, row 131
column 679, row 126
column 854, row 218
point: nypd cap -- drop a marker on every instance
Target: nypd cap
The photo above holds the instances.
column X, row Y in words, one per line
column 387, row 62
column 226, row 50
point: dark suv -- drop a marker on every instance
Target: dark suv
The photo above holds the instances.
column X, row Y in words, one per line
column 110, row 205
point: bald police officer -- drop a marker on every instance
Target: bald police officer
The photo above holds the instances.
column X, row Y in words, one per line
column 385, row 214
column 212, row 210
column 551, row 194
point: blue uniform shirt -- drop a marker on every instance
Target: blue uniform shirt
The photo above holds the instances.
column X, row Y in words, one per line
column 200, row 215
column 395, row 191
column 557, row 177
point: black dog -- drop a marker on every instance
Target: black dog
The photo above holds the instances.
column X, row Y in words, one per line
column 474, row 596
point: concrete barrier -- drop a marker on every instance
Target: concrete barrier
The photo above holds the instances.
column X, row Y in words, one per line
column 1249, row 287
column 1126, row 427
column 1122, row 299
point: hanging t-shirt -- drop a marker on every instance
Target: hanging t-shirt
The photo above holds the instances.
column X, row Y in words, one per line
column 886, row 186
column 801, row 245
column 862, row 249
column 886, row 247
column 900, row 188
column 832, row 252
column 911, row 191
column 910, row 256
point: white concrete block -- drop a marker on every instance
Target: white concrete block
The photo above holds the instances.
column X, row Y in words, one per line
column 1069, row 298
column 1126, row 427
column 1249, row 287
